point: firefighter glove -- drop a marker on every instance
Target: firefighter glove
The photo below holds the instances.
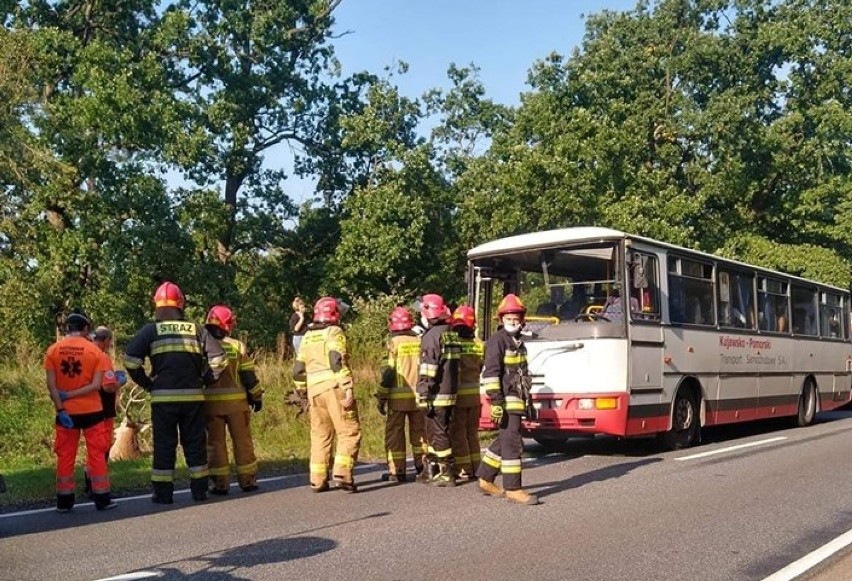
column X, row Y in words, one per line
column 64, row 419
column 121, row 377
column 383, row 405
column 496, row 413
column 299, row 399
column 256, row 405
column 63, row 395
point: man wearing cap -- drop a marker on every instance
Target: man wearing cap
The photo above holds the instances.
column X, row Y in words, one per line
column 74, row 371
column 111, row 383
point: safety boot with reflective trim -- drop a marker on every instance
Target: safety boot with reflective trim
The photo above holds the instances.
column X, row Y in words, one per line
column 489, row 488
column 319, row 487
column 521, row 497
column 444, row 476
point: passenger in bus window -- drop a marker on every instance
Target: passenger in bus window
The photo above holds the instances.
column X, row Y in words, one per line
column 547, row 309
column 575, row 304
column 614, row 309
column 833, row 324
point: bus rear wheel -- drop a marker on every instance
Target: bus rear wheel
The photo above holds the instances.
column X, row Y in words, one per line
column 807, row 405
column 686, row 425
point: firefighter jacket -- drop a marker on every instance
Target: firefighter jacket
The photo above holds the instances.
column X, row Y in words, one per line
column 238, row 381
column 322, row 362
column 399, row 376
column 439, row 365
column 504, row 371
column 183, row 356
column 470, row 366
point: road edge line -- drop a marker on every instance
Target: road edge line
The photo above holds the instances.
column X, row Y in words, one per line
column 812, row 559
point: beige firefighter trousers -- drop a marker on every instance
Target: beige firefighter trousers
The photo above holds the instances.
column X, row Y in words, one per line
column 239, row 426
column 330, row 419
column 395, row 439
column 464, row 437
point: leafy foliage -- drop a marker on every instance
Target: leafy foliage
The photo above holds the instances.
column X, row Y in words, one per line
column 716, row 124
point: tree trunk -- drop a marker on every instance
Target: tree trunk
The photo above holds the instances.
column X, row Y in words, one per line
column 232, row 188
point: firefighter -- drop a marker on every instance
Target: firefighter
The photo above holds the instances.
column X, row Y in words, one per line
column 74, row 371
column 183, row 358
column 464, row 425
column 227, row 403
column 396, row 397
column 111, row 383
column 503, row 375
column 322, row 375
column 437, row 386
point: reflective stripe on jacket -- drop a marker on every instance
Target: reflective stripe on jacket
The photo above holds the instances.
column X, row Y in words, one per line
column 178, row 351
column 505, row 362
column 404, row 361
column 322, row 362
column 440, row 353
column 470, row 366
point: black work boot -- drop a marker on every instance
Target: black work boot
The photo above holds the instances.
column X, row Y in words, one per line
column 103, row 501
column 64, row 502
column 163, row 492
column 198, row 488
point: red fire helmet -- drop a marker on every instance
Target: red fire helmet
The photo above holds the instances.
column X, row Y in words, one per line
column 168, row 294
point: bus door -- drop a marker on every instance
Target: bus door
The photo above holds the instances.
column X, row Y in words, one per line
column 647, row 413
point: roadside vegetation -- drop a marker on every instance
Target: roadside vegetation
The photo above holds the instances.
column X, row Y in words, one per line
column 719, row 125
column 282, row 439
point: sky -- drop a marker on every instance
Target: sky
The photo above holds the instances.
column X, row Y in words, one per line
column 502, row 37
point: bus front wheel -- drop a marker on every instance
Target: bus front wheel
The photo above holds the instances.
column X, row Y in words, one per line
column 807, row 405
column 686, row 425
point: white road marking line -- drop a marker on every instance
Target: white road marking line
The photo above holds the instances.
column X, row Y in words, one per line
column 812, row 559
column 359, row 468
column 731, row 448
column 132, row 576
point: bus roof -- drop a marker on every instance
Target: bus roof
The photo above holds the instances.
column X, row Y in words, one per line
column 593, row 234
column 545, row 239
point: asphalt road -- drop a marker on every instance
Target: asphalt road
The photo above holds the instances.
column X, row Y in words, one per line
column 743, row 505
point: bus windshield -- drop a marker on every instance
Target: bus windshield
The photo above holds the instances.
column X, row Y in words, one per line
column 577, row 286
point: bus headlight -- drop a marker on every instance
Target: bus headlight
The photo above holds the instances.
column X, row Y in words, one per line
column 600, row 403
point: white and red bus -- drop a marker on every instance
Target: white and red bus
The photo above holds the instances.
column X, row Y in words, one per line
column 629, row 336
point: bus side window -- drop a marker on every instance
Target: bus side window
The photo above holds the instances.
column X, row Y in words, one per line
column 644, row 297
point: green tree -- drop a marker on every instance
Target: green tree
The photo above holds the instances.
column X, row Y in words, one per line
column 712, row 124
column 251, row 77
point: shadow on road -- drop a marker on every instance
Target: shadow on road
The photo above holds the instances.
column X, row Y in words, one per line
column 607, row 473
column 223, row 565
